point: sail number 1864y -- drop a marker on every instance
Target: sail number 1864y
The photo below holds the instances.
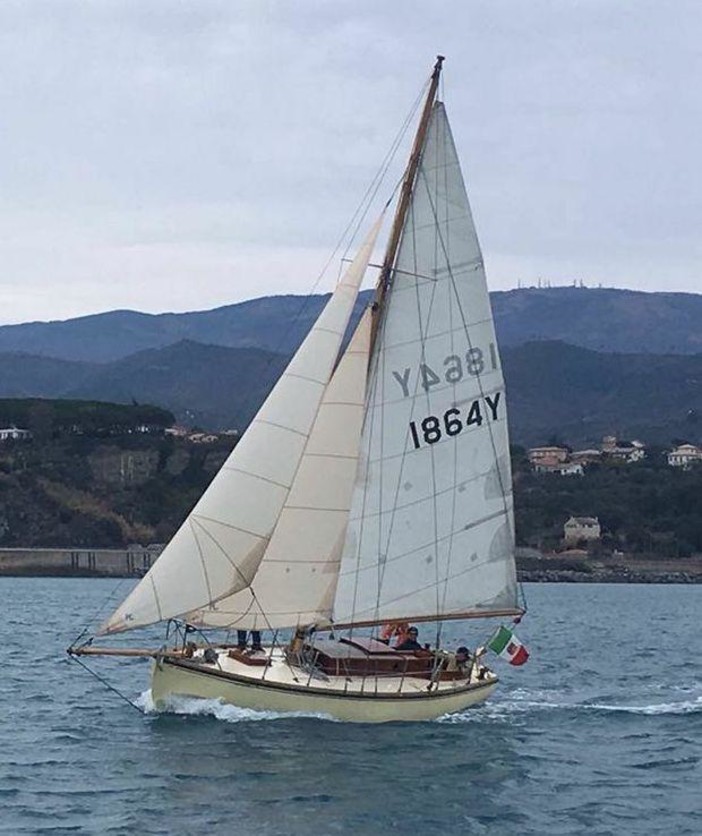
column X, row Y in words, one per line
column 433, row 428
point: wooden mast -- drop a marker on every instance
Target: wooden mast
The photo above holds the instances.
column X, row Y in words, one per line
column 404, row 201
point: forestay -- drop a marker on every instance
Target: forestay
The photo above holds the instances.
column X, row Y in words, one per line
column 431, row 531
column 218, row 549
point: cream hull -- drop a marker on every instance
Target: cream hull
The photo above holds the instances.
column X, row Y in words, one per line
column 280, row 688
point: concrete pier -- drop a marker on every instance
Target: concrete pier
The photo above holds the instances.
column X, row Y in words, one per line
column 132, row 562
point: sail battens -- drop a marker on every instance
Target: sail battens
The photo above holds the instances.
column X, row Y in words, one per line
column 280, row 427
column 258, row 476
column 306, row 377
column 456, row 269
column 306, row 562
column 347, row 457
column 201, row 520
column 458, row 331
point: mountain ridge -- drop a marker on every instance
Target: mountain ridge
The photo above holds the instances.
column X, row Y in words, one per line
column 553, row 389
column 600, row 319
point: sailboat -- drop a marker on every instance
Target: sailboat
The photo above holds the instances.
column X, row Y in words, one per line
column 372, row 489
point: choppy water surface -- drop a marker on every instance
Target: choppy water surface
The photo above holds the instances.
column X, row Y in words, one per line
column 600, row 733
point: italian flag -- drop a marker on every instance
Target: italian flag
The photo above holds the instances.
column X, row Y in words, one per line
column 507, row 645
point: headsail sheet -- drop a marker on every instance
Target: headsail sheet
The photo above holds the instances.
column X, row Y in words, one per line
column 431, row 531
column 218, row 549
column 296, row 580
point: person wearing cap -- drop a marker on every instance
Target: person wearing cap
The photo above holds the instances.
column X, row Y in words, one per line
column 410, row 643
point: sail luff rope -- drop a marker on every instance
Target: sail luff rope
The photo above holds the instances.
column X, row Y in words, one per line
column 431, row 448
column 454, row 502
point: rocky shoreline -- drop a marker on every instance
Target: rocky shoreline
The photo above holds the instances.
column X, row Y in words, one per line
column 617, row 576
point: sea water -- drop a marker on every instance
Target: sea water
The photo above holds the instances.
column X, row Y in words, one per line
column 600, row 733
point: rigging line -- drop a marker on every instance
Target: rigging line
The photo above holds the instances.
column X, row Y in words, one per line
column 100, row 609
column 523, row 596
column 355, row 222
column 108, row 685
column 374, row 186
column 412, row 228
column 433, row 452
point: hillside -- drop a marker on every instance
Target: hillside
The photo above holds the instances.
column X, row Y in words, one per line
column 608, row 320
column 204, row 385
column 577, row 395
column 553, row 389
column 83, row 488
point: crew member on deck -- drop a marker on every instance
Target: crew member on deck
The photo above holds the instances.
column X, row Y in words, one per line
column 410, row 643
column 395, row 630
column 255, row 640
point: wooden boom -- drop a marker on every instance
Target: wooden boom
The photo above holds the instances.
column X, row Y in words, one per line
column 125, row 651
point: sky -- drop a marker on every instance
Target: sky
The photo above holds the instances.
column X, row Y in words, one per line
column 174, row 155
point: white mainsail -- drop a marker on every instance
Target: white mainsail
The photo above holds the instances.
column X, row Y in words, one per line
column 431, row 531
column 296, row 579
column 217, row 550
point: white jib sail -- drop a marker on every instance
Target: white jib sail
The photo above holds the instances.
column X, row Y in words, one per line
column 296, row 580
column 431, row 531
column 219, row 547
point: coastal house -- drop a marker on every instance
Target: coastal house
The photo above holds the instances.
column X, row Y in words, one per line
column 584, row 457
column 547, row 455
column 562, row 468
column 623, row 451
column 576, row 529
column 203, row 438
column 685, row 456
column 13, row 434
column 176, row 431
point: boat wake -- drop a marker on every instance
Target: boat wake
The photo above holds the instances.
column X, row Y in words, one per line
column 195, row 707
column 521, row 702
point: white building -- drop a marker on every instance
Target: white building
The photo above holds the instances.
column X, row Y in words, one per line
column 684, row 456
column 13, row 433
column 547, row 455
column 563, row 469
column 581, row 528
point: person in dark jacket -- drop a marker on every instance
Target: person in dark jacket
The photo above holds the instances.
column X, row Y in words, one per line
column 410, row 643
column 255, row 640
